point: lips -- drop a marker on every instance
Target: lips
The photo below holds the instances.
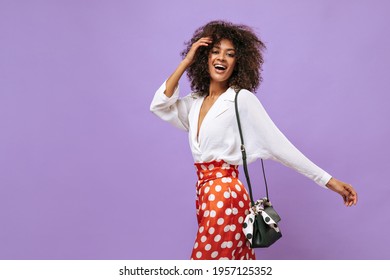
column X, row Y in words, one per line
column 220, row 68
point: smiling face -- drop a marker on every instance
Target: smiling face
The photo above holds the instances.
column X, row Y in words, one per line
column 221, row 61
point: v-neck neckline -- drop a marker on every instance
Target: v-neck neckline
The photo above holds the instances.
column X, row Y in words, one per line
column 199, row 126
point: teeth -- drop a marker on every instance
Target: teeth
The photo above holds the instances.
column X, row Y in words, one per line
column 219, row 66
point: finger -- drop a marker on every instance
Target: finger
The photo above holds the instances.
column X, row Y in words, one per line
column 197, row 45
column 353, row 194
column 205, row 39
column 355, row 199
column 351, row 189
column 204, row 43
column 345, row 199
column 345, row 194
column 348, row 198
column 352, row 200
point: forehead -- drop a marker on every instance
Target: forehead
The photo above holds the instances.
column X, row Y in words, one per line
column 224, row 44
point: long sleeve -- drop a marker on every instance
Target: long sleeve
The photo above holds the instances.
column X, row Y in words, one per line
column 172, row 109
column 263, row 139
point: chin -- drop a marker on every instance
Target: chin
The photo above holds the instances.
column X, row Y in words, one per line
column 219, row 79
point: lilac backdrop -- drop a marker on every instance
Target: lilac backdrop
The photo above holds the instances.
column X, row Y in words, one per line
column 87, row 172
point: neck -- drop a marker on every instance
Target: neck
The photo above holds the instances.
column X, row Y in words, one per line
column 217, row 88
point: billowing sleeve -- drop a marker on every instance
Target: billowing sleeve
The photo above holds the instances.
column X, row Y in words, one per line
column 264, row 140
column 172, row 109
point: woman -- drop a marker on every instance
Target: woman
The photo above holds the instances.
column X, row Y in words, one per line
column 220, row 59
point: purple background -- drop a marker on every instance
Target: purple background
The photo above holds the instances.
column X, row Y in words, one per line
column 87, row 172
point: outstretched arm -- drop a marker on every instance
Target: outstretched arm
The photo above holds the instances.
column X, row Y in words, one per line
column 265, row 140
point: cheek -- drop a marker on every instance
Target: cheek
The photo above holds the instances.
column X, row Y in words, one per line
column 233, row 66
column 210, row 66
column 210, row 61
column 211, row 57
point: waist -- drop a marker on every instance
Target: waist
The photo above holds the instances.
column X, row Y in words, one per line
column 215, row 169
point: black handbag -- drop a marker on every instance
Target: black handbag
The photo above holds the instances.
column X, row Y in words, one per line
column 261, row 224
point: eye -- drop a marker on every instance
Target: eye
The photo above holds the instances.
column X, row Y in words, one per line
column 231, row 54
column 214, row 51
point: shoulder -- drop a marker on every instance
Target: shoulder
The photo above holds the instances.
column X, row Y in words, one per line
column 247, row 97
column 246, row 93
column 243, row 95
column 249, row 105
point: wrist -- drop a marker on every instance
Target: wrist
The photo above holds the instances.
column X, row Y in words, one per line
column 330, row 183
column 186, row 62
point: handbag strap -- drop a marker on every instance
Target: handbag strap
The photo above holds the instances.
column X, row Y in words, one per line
column 243, row 151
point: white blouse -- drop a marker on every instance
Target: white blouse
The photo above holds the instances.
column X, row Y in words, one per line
column 219, row 136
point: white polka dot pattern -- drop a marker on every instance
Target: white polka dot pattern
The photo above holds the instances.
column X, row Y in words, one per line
column 228, row 211
column 221, row 204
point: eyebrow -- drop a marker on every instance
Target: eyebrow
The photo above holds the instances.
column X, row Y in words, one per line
column 231, row 49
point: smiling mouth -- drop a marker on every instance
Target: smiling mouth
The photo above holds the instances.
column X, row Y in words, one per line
column 220, row 67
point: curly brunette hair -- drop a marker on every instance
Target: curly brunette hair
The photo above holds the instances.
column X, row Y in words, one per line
column 249, row 57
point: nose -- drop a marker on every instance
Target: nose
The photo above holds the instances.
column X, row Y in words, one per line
column 221, row 56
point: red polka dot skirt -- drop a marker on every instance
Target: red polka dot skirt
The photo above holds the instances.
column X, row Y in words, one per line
column 222, row 204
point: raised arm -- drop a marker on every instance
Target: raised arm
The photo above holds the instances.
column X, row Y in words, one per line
column 166, row 103
column 173, row 80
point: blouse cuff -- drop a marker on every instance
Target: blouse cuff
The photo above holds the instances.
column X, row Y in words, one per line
column 161, row 101
column 324, row 180
column 161, row 94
